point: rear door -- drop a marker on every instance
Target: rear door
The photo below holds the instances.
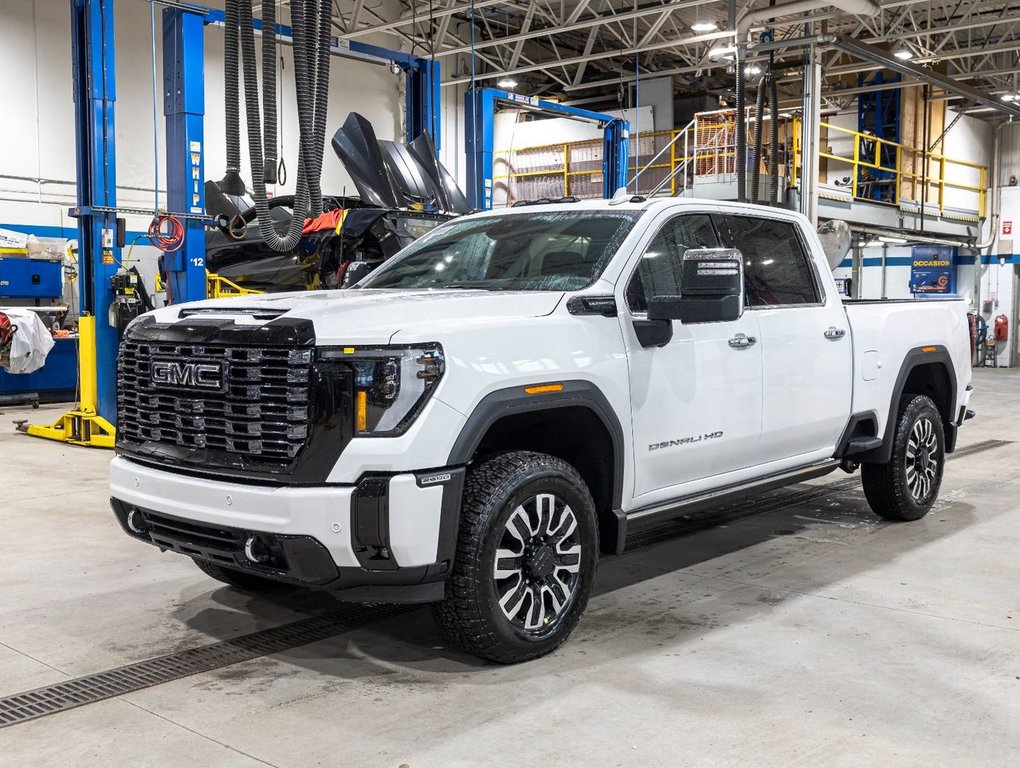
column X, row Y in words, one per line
column 805, row 340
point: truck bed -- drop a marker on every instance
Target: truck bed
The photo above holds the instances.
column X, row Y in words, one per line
column 886, row 332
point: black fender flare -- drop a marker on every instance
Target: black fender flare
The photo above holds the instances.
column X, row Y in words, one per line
column 515, row 400
column 925, row 355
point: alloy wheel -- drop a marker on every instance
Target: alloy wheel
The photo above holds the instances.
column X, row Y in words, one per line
column 538, row 561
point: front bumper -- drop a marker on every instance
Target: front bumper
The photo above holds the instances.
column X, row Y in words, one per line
column 389, row 537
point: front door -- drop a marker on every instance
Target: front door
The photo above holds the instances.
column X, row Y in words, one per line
column 697, row 400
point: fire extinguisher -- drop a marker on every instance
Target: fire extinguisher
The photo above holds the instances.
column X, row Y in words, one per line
column 1001, row 327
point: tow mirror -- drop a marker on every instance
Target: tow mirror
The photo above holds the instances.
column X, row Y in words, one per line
column 711, row 287
column 835, row 237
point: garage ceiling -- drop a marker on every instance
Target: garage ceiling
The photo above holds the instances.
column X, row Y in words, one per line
column 585, row 50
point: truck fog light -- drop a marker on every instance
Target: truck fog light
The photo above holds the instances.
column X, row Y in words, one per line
column 136, row 523
column 256, row 551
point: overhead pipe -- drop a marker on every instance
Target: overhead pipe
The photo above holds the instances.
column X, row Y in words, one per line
column 743, row 27
column 750, row 19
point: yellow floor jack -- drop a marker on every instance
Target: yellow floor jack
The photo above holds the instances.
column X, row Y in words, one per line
column 81, row 425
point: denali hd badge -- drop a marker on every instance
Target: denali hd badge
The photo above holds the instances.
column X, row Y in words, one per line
column 685, row 441
column 180, row 374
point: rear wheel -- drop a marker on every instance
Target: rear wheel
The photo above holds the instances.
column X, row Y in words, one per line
column 526, row 558
column 246, row 581
column 905, row 488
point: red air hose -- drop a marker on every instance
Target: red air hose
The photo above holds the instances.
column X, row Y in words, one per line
column 172, row 239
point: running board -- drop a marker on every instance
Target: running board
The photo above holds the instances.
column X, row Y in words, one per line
column 649, row 516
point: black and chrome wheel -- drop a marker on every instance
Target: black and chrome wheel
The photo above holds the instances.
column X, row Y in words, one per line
column 526, row 557
column 923, row 460
column 538, row 561
column 905, row 488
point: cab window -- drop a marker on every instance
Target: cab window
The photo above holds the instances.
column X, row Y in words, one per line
column 658, row 272
column 777, row 271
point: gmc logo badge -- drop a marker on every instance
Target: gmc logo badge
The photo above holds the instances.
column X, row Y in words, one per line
column 177, row 374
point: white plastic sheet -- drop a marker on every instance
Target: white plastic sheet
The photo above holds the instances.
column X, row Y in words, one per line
column 32, row 341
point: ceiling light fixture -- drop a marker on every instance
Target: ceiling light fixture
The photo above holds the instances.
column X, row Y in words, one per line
column 752, row 70
column 903, row 54
column 1009, row 97
column 723, row 52
column 506, row 83
column 704, row 25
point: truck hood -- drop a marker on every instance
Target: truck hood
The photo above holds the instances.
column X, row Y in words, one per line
column 368, row 316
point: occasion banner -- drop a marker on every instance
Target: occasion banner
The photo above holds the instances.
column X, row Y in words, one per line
column 933, row 270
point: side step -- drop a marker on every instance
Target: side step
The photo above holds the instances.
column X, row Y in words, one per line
column 861, row 444
column 648, row 516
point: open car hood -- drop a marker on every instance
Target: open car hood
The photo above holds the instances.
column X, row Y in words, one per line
column 394, row 175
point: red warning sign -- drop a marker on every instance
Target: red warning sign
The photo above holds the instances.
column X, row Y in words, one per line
column 1007, row 228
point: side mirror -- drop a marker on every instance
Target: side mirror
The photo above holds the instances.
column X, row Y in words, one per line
column 835, row 237
column 711, row 287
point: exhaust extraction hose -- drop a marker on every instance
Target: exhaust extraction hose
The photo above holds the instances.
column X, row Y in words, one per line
column 773, row 140
column 311, row 22
column 759, row 116
column 231, row 96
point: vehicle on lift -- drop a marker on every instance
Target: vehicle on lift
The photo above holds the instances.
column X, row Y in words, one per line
column 516, row 392
column 363, row 235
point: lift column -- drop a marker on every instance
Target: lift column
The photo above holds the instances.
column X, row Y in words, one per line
column 95, row 93
column 184, row 108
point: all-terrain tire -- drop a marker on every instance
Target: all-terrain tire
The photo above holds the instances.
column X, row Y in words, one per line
column 512, row 608
column 246, row 581
column 905, row 488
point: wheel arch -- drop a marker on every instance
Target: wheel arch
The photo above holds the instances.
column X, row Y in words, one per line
column 929, row 371
column 576, row 424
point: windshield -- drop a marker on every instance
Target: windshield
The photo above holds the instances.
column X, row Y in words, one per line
column 551, row 251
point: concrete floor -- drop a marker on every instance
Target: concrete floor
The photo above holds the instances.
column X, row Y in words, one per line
column 809, row 635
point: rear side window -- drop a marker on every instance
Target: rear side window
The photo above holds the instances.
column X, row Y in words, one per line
column 776, row 266
column 658, row 272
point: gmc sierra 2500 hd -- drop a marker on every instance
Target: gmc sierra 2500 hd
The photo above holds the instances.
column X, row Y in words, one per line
column 509, row 396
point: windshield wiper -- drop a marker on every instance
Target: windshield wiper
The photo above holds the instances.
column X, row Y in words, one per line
column 467, row 286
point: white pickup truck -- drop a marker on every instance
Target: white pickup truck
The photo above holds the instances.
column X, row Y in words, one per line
column 478, row 419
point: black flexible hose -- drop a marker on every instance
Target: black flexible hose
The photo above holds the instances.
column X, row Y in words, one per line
column 251, row 99
column 773, row 141
column 269, row 88
column 759, row 116
column 322, row 54
column 741, row 150
column 231, row 94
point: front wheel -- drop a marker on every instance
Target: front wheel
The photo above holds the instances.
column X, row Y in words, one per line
column 905, row 488
column 526, row 557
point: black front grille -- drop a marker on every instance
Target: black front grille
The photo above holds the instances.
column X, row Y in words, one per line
column 213, row 397
column 260, row 408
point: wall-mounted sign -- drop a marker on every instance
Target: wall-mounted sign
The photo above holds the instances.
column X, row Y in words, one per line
column 1007, row 228
column 933, row 270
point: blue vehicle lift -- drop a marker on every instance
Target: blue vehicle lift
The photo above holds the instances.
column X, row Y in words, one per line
column 183, row 81
column 92, row 421
column 95, row 94
column 480, row 111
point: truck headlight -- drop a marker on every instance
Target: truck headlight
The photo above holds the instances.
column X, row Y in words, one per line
column 391, row 384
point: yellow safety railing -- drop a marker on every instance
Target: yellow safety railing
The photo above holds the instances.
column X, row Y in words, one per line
column 562, row 169
column 896, row 163
column 871, row 153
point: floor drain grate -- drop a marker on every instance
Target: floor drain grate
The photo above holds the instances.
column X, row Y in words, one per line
column 163, row 669
column 984, row 445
